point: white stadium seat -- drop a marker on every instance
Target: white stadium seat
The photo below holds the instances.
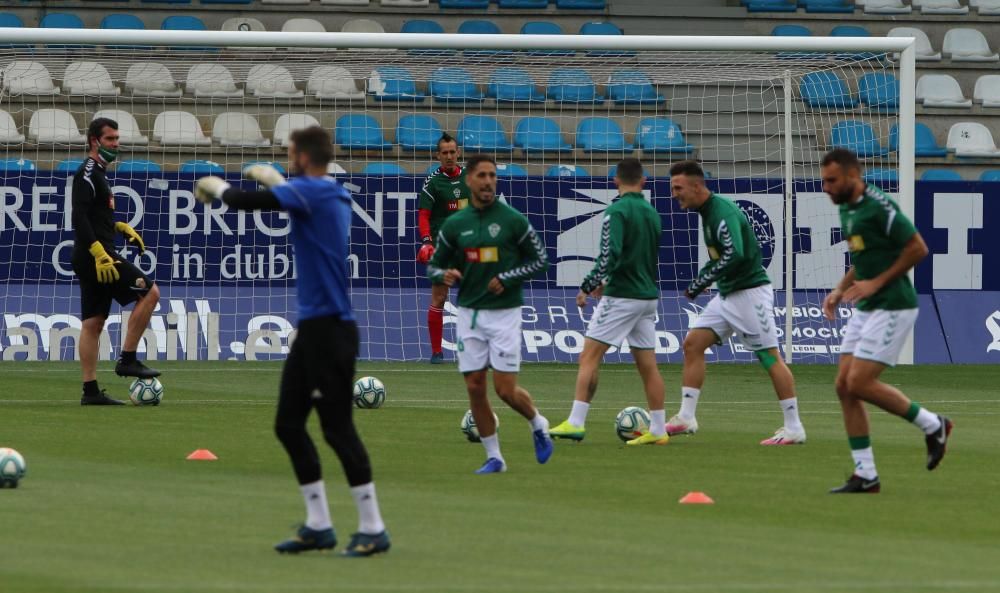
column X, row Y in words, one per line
column 211, row 80
column 289, row 122
column 303, row 26
column 362, row 26
column 28, row 78
column 968, row 45
column 333, row 82
column 243, row 23
column 151, row 79
column 406, row 3
column 940, row 7
column 940, row 90
column 986, row 7
column 285, row 1
column 971, row 139
column 887, row 7
column 179, row 128
column 925, row 53
column 9, row 133
column 987, row 91
column 271, row 81
column 54, row 126
column 238, row 129
column 335, row 169
column 90, row 79
column 128, row 130
column 347, row 2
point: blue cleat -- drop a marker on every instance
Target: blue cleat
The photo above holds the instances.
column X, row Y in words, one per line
column 543, row 446
column 308, row 539
column 363, row 544
column 437, row 358
column 492, row 466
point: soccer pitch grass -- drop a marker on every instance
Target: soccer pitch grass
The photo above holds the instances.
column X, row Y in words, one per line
column 109, row 503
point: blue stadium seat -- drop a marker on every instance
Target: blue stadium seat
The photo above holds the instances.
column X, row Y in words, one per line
column 790, row 31
column 545, row 28
column 580, row 4
column 202, row 167
column 941, row 175
column 137, row 166
column 384, row 169
column 421, row 26
column 454, row 85
column 566, row 171
column 510, row 170
column 394, row 83
column 850, row 31
column 167, row 1
column 601, row 134
column 9, row 165
column 523, row 4
column 182, row 23
column 659, row 134
column 356, row 131
column 9, row 20
column 925, row 144
column 829, row 6
column 603, row 28
column 69, row 165
column 122, row 21
column 993, row 175
column 879, row 91
column 826, row 89
column 883, row 178
column 572, row 85
column 478, row 27
column 482, row 132
column 418, row 132
column 226, row 1
column 278, row 166
column 464, row 3
column 771, row 6
column 539, row 134
column 632, row 87
column 857, row 136
column 513, row 85
column 61, row 20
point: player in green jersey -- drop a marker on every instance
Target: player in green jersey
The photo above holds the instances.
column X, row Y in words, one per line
column 884, row 246
column 443, row 194
column 744, row 306
column 492, row 250
column 624, row 279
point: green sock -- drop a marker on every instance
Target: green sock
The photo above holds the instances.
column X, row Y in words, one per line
column 912, row 413
column 862, row 442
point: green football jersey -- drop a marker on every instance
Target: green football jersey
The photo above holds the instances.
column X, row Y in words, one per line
column 630, row 245
column 443, row 196
column 496, row 241
column 735, row 261
column 876, row 232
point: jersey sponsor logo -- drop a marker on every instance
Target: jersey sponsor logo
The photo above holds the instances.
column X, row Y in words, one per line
column 454, row 205
column 855, row 243
column 466, row 233
column 482, row 255
column 494, row 230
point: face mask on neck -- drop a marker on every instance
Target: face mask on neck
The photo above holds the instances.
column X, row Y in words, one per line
column 109, row 155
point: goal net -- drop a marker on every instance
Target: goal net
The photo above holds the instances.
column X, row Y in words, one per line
column 558, row 113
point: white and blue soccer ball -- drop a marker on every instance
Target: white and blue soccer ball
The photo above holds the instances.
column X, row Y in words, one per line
column 631, row 423
column 12, row 467
column 369, row 392
column 146, row 392
column 469, row 428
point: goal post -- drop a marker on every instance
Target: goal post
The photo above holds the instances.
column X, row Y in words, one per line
column 214, row 101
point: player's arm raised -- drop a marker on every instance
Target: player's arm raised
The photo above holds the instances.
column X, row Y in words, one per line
column 533, row 261
column 732, row 252
column 211, row 188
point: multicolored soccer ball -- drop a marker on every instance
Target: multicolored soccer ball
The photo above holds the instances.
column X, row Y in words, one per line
column 369, row 392
column 12, row 467
column 469, row 428
column 631, row 423
column 146, row 392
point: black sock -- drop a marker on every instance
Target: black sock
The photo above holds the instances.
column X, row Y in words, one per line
column 128, row 357
column 90, row 388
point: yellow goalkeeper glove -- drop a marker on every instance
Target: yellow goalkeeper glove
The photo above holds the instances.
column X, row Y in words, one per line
column 133, row 237
column 106, row 270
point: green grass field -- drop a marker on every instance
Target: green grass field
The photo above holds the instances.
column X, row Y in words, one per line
column 110, row 504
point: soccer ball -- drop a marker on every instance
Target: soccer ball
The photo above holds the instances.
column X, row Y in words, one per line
column 469, row 426
column 146, row 392
column 369, row 393
column 632, row 422
column 12, row 467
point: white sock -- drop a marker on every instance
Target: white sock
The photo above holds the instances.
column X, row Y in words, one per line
column 492, row 445
column 864, row 463
column 578, row 416
column 317, row 510
column 790, row 408
column 657, row 422
column 369, row 518
column 927, row 421
column 539, row 423
column 689, row 402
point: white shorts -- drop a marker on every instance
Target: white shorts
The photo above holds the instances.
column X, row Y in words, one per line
column 878, row 335
column 616, row 319
column 489, row 338
column 748, row 314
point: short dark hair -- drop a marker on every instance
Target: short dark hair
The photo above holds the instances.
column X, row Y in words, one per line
column 96, row 128
column 689, row 168
column 629, row 171
column 315, row 142
column 843, row 157
column 446, row 137
column 477, row 159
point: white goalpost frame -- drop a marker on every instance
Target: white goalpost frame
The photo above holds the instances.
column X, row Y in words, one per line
column 903, row 47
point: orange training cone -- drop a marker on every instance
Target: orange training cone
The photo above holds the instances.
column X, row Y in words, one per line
column 202, row 455
column 696, row 498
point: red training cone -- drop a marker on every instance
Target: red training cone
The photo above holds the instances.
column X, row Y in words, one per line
column 696, row 498
column 201, row 455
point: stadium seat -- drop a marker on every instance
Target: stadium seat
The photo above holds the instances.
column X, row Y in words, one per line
column 179, row 128
column 335, row 169
column 393, row 83
column 346, row 2
column 771, row 6
column 68, row 165
column 545, row 28
column 167, row 1
column 659, row 134
column 211, row 80
column 513, row 85
column 829, row 6
column 924, row 144
column 940, row 175
column 971, row 139
column 522, row 4
column 405, row 3
column 940, row 7
column 925, row 52
column 285, row 1
column 940, row 90
column 384, row 169
column 464, row 3
column 151, row 79
column 129, row 133
column 481, row 27
column 418, row 132
column 243, row 23
column 510, row 170
column 539, row 134
column 879, row 91
column 791, row 31
column 482, row 132
column 825, row 89
column 122, row 21
column 572, row 85
column 300, row 25
column 226, row 1
column 61, row 20
column 883, row 178
column 182, row 23
column 360, row 132
column 986, row 7
column 632, row 87
column 887, row 7
column 967, row 45
column 566, row 171
column 290, row 122
column 137, row 166
column 201, row 167
column 9, row 134
column 849, row 31
column 11, row 165
column 421, row 26
column 24, row 77
column 601, row 134
column 89, row 79
column 858, row 137
column 333, row 82
column 987, row 91
column 280, row 168
column 10, row 20
column 454, row 85
column 600, row 28
column 992, row 175
column 580, row 4
column 362, row 26
column 272, row 81
column 54, row 126
column 234, row 128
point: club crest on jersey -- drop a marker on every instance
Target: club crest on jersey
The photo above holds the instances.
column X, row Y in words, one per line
column 494, row 230
column 482, row 255
column 855, row 243
column 457, row 192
